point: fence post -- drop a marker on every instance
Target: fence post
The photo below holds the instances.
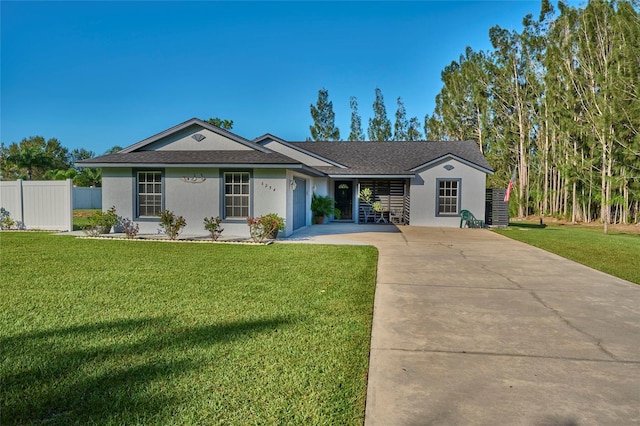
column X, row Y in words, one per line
column 69, row 203
column 21, row 196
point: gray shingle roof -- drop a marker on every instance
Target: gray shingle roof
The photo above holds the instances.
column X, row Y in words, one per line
column 360, row 158
column 391, row 158
column 191, row 157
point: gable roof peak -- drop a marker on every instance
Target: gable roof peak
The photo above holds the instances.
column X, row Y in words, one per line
column 191, row 122
column 268, row 137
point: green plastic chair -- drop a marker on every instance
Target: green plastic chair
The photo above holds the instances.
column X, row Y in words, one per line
column 466, row 217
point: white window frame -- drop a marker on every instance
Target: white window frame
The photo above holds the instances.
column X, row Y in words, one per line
column 448, row 197
column 236, row 195
column 151, row 189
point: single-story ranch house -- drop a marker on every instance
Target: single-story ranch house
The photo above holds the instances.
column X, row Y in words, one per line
column 199, row 170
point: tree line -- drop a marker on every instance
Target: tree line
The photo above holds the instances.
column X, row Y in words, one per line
column 559, row 101
column 379, row 129
column 35, row 158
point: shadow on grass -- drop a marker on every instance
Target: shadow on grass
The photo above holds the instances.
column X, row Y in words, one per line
column 527, row 225
column 50, row 378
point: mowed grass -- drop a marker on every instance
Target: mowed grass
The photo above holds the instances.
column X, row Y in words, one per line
column 617, row 254
column 132, row 332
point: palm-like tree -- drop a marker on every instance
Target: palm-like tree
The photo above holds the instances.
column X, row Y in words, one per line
column 30, row 158
column 88, row 177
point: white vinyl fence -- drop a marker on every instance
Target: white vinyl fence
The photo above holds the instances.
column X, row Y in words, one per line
column 87, row 198
column 39, row 204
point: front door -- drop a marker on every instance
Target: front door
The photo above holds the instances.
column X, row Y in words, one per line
column 343, row 191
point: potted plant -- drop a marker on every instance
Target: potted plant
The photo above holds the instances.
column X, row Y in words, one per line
column 321, row 206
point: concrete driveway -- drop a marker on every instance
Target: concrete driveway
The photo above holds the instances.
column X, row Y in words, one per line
column 472, row 328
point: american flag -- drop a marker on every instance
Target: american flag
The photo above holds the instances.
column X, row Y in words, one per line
column 513, row 179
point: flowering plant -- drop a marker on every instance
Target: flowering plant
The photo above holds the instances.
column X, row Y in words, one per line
column 212, row 224
column 171, row 223
column 263, row 227
column 365, row 195
column 129, row 228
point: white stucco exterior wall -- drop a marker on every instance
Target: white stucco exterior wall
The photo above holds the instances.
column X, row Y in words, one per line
column 423, row 192
column 117, row 190
column 320, row 185
column 269, row 192
column 193, row 201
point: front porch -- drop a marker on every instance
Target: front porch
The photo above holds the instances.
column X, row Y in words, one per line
column 390, row 195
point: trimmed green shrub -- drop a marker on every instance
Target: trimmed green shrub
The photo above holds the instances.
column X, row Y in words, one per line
column 212, row 224
column 101, row 222
column 5, row 219
column 172, row 224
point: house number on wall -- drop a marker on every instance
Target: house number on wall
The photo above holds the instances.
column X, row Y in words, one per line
column 266, row 185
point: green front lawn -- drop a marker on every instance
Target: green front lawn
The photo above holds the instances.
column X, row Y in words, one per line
column 81, row 218
column 133, row 332
column 615, row 253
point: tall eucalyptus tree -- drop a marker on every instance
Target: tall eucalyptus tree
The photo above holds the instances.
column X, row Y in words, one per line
column 323, row 127
column 379, row 125
column 356, row 133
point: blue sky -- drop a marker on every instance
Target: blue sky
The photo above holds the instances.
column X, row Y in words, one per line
column 99, row 74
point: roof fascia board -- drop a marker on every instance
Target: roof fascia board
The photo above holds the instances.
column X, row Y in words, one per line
column 454, row 157
column 201, row 165
column 270, row 138
column 403, row 176
column 191, row 122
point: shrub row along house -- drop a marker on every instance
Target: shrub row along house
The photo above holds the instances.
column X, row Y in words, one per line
column 197, row 170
